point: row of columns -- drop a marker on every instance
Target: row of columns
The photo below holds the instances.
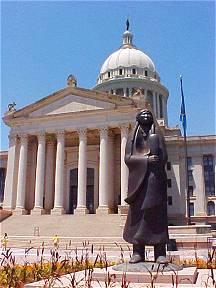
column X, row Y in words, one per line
column 155, row 102
column 45, row 159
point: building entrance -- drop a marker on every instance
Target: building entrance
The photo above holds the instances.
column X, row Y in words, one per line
column 89, row 190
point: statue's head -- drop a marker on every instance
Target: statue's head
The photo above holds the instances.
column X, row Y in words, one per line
column 145, row 118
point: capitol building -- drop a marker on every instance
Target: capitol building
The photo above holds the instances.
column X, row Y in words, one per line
column 66, row 151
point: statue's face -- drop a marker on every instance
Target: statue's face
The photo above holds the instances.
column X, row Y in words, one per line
column 145, row 118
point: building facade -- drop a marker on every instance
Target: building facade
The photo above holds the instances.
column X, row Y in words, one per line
column 66, row 151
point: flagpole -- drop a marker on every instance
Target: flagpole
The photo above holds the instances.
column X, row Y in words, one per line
column 186, row 180
column 183, row 119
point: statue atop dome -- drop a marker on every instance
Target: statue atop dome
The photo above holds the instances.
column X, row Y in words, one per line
column 127, row 25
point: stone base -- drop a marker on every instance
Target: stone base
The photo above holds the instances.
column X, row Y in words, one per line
column 185, row 276
column 123, row 209
column 38, row 211
column 5, row 214
column 57, row 211
column 146, row 267
column 20, row 211
column 81, row 211
column 103, row 210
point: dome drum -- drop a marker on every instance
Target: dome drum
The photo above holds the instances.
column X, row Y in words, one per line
column 130, row 72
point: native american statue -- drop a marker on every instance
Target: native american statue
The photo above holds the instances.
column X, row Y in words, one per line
column 146, row 157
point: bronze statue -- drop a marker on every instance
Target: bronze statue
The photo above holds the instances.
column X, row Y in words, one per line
column 146, row 157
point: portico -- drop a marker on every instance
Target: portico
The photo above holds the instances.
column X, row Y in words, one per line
column 53, row 157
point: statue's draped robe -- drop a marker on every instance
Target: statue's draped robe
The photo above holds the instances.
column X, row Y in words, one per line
column 147, row 190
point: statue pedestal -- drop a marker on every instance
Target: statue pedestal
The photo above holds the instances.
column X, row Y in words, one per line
column 185, row 276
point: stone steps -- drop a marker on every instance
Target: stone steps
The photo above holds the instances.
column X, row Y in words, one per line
column 84, row 230
column 64, row 225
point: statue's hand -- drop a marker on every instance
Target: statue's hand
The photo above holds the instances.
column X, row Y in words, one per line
column 153, row 159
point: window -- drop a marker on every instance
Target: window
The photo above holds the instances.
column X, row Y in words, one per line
column 108, row 74
column 190, row 175
column 169, row 183
column 150, row 97
column 191, row 209
column 2, row 183
column 190, row 191
column 120, row 92
column 133, row 71
column 120, row 71
column 90, row 190
column 73, row 190
column 209, row 175
column 127, row 92
column 169, row 200
column 146, row 73
column 189, row 162
column 210, row 208
column 161, row 105
column 168, row 166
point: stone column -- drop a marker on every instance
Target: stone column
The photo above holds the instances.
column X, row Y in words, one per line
column 124, row 169
column 158, row 106
column 103, row 172
column 125, row 92
column 199, row 191
column 145, row 95
column 111, row 198
column 82, row 173
column 40, row 174
column 21, row 184
column 59, row 175
column 165, row 110
column 49, row 175
column 10, row 191
column 154, row 104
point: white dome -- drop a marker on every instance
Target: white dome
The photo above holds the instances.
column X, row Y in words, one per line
column 127, row 57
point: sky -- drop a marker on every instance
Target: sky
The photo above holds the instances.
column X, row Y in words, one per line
column 43, row 42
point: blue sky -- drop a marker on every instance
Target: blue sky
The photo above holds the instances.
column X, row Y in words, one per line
column 44, row 42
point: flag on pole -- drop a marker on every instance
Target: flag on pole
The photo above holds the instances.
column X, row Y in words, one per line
column 183, row 112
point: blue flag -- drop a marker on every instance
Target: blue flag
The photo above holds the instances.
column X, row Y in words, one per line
column 183, row 113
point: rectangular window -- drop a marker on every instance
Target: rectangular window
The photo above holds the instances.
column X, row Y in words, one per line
column 190, row 175
column 169, row 183
column 169, row 200
column 120, row 92
column 133, row 71
column 161, row 105
column 120, row 71
column 189, row 162
column 146, row 73
column 191, row 209
column 168, row 166
column 108, row 74
column 2, row 183
column 190, row 191
column 209, row 175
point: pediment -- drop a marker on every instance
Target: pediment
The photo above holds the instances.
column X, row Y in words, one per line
column 71, row 103
column 65, row 102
